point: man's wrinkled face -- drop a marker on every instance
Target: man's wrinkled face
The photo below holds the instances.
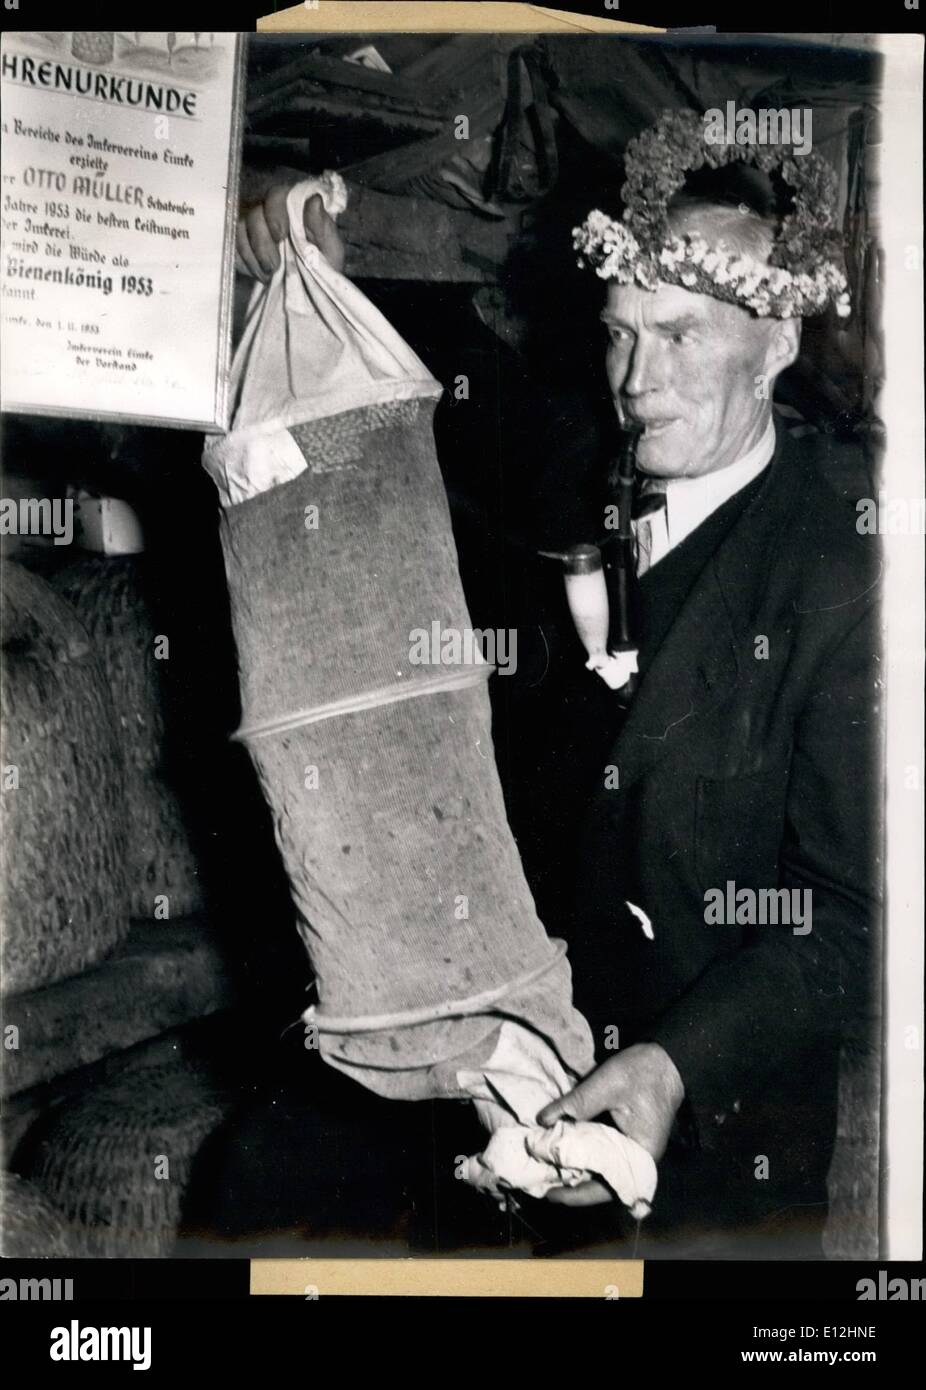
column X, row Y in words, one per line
column 685, row 365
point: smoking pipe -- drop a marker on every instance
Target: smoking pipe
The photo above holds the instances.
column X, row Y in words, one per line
column 611, row 640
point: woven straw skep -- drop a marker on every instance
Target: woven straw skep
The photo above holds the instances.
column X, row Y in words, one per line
column 62, row 902
column 31, row 1228
column 108, row 596
column 117, row 1161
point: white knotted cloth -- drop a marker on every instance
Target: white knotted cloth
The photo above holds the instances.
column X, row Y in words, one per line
column 522, row 1076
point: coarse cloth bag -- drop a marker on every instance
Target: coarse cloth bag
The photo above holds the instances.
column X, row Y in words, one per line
column 379, row 772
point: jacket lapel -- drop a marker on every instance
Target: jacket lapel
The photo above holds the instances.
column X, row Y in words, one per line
column 698, row 663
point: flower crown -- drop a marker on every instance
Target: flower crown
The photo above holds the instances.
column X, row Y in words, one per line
column 802, row 275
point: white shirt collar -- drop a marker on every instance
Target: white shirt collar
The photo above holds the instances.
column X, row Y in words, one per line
column 689, row 501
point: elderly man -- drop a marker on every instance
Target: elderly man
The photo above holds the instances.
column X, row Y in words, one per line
column 744, row 772
column 729, row 868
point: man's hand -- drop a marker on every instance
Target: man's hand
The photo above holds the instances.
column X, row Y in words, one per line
column 262, row 227
column 642, row 1090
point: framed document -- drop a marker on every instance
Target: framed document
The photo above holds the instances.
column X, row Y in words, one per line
column 119, row 176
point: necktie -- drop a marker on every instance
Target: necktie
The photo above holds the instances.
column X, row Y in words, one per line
column 649, row 499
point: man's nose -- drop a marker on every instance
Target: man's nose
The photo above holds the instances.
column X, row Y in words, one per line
column 643, row 371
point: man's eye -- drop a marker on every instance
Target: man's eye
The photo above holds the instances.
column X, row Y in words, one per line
column 679, row 339
column 619, row 335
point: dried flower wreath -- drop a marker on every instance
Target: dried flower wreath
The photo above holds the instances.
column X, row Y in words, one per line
column 802, row 276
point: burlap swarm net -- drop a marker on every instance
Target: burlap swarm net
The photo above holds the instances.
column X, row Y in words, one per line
column 379, row 772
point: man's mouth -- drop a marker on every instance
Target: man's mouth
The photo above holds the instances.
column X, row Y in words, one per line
column 653, row 428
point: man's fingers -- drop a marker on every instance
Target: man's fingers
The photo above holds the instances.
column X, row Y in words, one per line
column 261, row 229
column 587, row 1194
column 275, row 213
column 245, row 260
column 318, row 225
column 262, row 244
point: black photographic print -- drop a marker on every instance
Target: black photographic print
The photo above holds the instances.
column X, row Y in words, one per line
column 462, row 645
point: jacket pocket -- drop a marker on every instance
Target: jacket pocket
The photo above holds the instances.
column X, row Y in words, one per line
column 739, row 823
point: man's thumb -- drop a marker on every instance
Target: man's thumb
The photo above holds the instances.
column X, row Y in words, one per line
column 552, row 1112
column 574, row 1106
column 601, row 1091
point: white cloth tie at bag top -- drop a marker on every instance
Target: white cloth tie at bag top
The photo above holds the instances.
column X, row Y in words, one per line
column 345, row 354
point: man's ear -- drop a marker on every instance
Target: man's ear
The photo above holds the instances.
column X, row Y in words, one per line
column 784, row 344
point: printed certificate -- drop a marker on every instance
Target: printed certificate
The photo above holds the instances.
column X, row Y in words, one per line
column 119, row 171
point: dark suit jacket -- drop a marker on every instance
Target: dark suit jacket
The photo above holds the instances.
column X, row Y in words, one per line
column 752, row 762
